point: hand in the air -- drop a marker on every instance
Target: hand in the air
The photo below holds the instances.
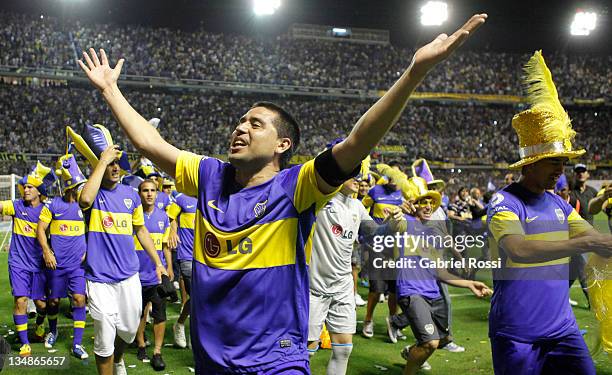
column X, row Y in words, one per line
column 440, row 48
column 99, row 71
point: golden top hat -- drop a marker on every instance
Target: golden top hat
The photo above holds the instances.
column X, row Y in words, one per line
column 420, row 191
column 545, row 129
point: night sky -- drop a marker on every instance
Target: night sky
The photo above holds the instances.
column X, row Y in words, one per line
column 520, row 26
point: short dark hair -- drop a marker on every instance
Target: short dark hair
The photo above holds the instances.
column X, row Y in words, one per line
column 146, row 180
column 286, row 127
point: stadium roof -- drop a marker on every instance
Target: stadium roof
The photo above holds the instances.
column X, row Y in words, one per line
column 514, row 25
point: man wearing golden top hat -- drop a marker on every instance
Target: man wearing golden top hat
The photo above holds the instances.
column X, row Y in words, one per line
column 531, row 325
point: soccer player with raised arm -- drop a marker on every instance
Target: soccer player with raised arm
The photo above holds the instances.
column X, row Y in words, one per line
column 113, row 214
column 255, row 216
column 63, row 217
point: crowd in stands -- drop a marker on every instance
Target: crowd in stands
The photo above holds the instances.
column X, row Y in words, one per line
column 49, row 42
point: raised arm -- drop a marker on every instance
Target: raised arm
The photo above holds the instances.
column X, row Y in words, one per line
column 142, row 135
column 597, row 204
column 90, row 190
column 374, row 124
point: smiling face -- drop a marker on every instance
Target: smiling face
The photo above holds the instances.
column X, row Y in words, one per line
column 255, row 141
column 364, row 187
column 544, row 173
column 424, row 208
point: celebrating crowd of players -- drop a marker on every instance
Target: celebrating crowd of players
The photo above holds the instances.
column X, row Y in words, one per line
column 251, row 227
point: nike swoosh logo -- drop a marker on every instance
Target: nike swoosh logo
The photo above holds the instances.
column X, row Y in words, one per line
column 211, row 204
column 58, row 215
column 530, row 219
column 193, row 205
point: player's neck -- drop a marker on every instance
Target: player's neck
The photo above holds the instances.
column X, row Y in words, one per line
column 108, row 185
column 147, row 209
column 34, row 203
column 247, row 178
column 531, row 186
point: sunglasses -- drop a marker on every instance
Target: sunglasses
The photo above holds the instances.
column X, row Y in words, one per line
column 424, row 203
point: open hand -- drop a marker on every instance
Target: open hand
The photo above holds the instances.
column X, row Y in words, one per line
column 443, row 46
column 99, row 71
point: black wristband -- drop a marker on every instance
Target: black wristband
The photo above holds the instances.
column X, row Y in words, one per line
column 330, row 172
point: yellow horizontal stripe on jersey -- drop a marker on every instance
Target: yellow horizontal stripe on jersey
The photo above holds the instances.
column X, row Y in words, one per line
column 72, row 228
column 121, row 222
column 511, row 264
column 504, row 223
column 24, row 228
column 379, row 210
column 187, row 220
column 22, row 327
column 79, row 324
column 259, row 246
column 157, row 241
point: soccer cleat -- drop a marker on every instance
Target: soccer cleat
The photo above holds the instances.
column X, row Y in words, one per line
column 50, row 340
column 359, row 302
column 79, row 352
column 391, row 330
column 141, row 355
column 400, row 335
column 572, row 302
column 158, row 363
column 381, row 298
column 179, row 335
column 405, row 353
column 454, row 348
column 119, row 368
column 39, row 334
column 368, row 329
column 25, row 350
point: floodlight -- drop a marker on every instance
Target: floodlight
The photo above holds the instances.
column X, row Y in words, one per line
column 265, row 7
column 434, row 13
column 584, row 23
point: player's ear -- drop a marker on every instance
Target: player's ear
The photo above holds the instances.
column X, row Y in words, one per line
column 283, row 144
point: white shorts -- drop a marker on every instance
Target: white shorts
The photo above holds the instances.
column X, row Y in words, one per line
column 115, row 309
column 337, row 311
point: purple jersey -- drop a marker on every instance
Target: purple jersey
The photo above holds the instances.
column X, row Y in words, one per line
column 380, row 199
column 417, row 279
column 162, row 200
column 25, row 251
column 67, row 230
column 250, row 271
column 110, row 243
column 530, row 301
column 157, row 224
column 183, row 210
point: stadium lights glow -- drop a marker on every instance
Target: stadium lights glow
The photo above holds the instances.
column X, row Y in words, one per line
column 265, row 7
column 584, row 23
column 339, row 30
column 434, row 13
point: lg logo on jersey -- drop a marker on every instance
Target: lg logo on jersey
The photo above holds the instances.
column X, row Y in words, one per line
column 212, row 246
column 338, row 231
column 108, row 222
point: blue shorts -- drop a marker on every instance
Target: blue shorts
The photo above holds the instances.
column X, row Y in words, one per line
column 286, row 368
column 59, row 282
column 565, row 356
column 26, row 283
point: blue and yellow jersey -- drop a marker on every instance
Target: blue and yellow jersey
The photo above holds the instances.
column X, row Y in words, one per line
column 25, row 251
column 530, row 301
column 380, row 199
column 158, row 225
column 417, row 280
column 183, row 210
column 110, row 242
column 67, row 229
column 250, row 272
column 162, row 200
